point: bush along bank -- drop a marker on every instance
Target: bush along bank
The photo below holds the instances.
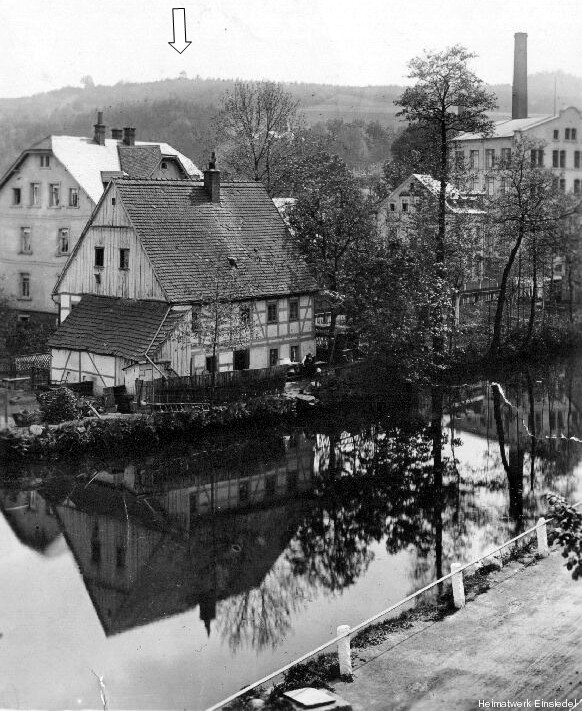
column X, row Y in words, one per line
column 136, row 433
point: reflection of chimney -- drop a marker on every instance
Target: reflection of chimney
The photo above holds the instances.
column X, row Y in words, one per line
column 519, row 92
column 116, row 134
column 212, row 180
column 129, row 136
column 99, row 135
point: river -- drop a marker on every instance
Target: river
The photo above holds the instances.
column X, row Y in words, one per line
column 179, row 577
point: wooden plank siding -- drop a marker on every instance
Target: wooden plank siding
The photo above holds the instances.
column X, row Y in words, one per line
column 111, row 230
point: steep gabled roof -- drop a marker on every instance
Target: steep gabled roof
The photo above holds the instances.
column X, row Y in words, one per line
column 114, row 326
column 139, row 161
column 196, row 246
column 86, row 160
column 456, row 201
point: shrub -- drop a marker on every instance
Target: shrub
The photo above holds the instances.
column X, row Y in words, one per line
column 58, row 405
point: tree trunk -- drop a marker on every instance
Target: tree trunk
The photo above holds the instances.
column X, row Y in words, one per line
column 498, row 320
column 532, row 311
column 438, row 339
column 331, row 337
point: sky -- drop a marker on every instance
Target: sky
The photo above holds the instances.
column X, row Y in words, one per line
column 47, row 44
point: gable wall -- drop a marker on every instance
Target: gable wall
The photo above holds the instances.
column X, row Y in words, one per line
column 112, row 231
column 44, row 263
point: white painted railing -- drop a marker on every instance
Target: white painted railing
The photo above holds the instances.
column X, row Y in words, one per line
column 344, row 632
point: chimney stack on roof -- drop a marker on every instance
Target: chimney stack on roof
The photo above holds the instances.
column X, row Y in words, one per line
column 99, row 135
column 117, row 134
column 212, row 180
column 519, row 91
column 129, row 136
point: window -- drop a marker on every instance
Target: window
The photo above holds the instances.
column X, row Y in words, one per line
column 164, row 165
column 562, row 185
column 573, row 133
column 273, row 357
column 576, row 187
column 490, row 158
column 567, row 136
column 34, row 194
column 73, row 197
column 404, row 207
column 562, row 159
column 474, row 160
column 195, row 320
column 54, row 195
column 503, row 186
column 392, row 207
column 45, row 161
column 99, row 256
column 537, row 157
column 506, row 155
column 124, row 258
column 576, row 159
column 24, row 318
column 63, row 240
column 120, row 557
column 241, row 359
column 25, row 241
column 555, row 159
column 556, row 134
column 272, row 312
column 16, row 196
column 24, row 286
column 459, row 158
column 270, row 486
column 245, row 314
column 294, row 356
column 293, row 309
column 113, row 201
column 489, row 185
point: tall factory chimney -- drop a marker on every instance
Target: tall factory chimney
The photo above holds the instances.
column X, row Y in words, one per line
column 519, row 92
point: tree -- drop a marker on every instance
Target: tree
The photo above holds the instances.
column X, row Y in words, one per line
column 413, row 151
column 224, row 321
column 333, row 227
column 257, row 121
column 447, row 99
column 523, row 220
column 568, row 532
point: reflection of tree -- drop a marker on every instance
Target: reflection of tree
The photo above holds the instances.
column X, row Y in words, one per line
column 261, row 617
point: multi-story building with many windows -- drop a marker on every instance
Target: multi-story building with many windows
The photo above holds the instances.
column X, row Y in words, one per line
column 48, row 194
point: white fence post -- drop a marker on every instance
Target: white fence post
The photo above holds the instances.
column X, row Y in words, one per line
column 458, row 587
column 542, row 533
column 343, row 651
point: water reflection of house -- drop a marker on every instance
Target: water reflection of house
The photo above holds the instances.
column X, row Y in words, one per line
column 148, row 555
column 31, row 518
column 554, row 413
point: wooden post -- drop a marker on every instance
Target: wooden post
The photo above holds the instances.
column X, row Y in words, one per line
column 542, row 533
column 343, row 651
column 458, row 587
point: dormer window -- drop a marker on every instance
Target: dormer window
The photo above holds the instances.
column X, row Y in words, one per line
column 164, row 165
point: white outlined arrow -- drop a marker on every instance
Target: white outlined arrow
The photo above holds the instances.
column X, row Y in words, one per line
column 180, row 42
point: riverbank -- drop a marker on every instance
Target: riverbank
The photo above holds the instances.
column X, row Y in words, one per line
column 516, row 640
column 137, row 433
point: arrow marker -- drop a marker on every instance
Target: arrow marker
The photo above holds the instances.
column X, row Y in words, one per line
column 180, row 42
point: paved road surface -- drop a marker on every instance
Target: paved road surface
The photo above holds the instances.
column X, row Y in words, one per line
column 519, row 641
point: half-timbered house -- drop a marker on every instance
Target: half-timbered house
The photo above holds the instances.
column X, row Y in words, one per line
column 190, row 276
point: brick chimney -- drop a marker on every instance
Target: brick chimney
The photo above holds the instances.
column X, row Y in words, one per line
column 129, row 136
column 212, row 180
column 519, row 92
column 99, row 135
column 117, row 134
